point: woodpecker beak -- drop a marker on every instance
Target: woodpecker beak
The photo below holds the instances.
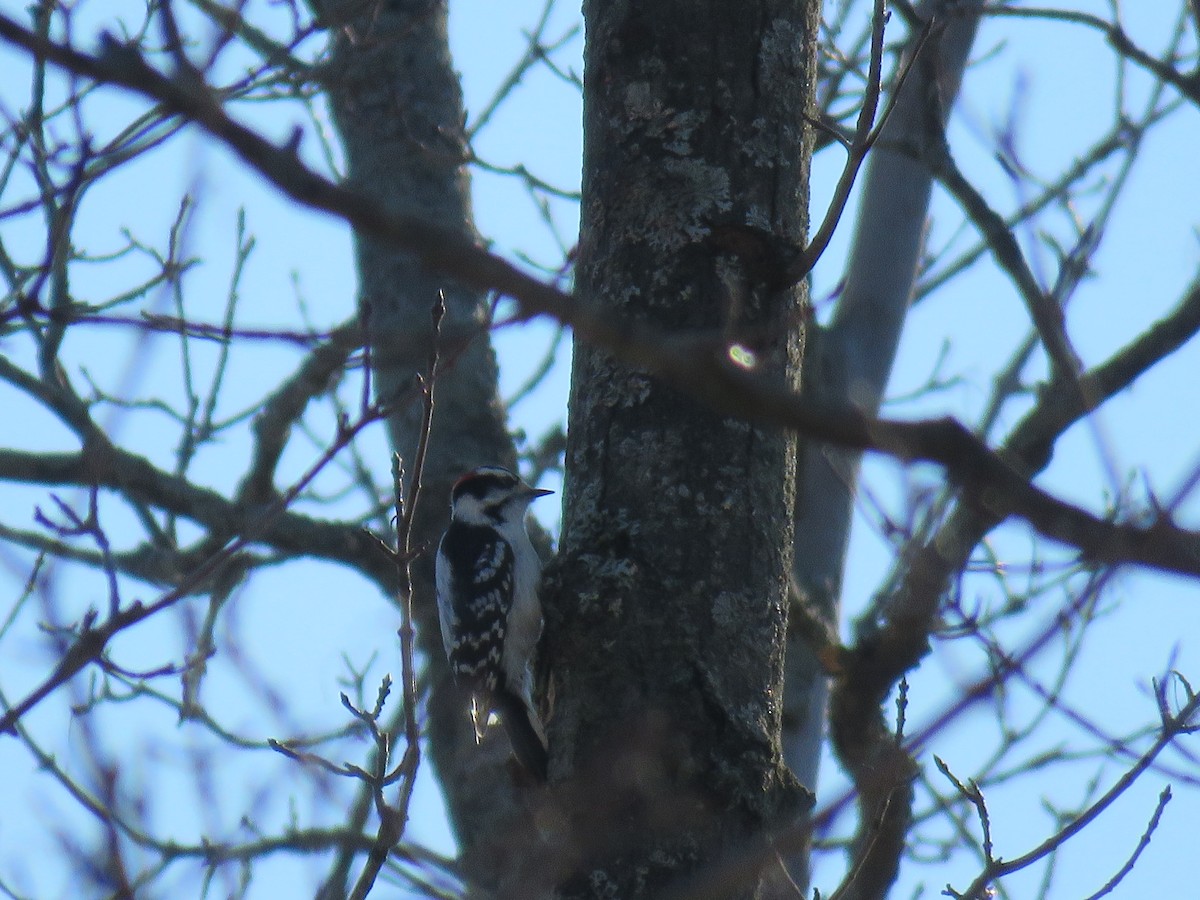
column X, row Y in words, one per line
column 533, row 493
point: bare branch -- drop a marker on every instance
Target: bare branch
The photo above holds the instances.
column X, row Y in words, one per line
column 1047, row 316
column 91, row 640
column 1188, row 85
column 699, row 365
column 1173, row 725
column 1164, row 798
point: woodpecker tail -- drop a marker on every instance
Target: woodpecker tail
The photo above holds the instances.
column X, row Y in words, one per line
column 524, row 733
column 481, row 710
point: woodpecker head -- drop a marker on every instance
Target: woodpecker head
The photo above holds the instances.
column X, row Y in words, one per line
column 491, row 495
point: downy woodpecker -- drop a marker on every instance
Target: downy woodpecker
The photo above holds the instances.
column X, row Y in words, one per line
column 487, row 581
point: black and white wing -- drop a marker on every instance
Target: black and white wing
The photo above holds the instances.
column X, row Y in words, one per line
column 475, row 595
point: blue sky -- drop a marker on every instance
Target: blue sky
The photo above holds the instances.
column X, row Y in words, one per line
column 1063, row 75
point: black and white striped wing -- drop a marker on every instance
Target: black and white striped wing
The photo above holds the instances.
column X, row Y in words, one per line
column 475, row 595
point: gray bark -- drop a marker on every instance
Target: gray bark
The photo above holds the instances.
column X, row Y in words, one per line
column 398, row 108
column 667, row 605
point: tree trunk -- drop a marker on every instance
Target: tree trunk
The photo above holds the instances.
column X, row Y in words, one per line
column 667, row 606
column 851, row 360
column 398, row 107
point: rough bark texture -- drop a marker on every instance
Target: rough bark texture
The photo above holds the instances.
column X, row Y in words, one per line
column 667, row 608
column 397, row 105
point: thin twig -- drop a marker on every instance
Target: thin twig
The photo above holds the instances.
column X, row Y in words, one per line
column 1173, row 725
column 393, row 819
column 698, row 363
column 91, row 640
column 1143, row 842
